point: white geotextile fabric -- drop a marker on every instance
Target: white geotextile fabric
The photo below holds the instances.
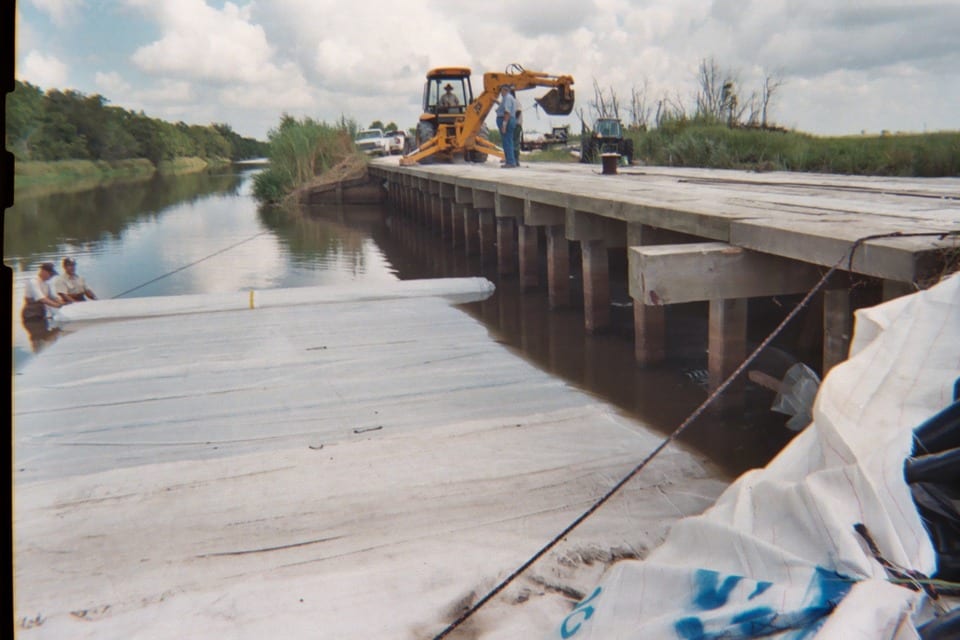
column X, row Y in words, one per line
column 771, row 550
column 454, row 290
column 352, row 471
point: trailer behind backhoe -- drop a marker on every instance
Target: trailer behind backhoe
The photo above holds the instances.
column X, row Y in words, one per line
column 449, row 131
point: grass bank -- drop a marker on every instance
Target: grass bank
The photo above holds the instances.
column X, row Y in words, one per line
column 715, row 146
column 65, row 176
column 557, row 153
column 685, row 144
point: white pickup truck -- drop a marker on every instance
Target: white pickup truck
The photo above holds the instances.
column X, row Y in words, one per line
column 373, row 142
column 398, row 141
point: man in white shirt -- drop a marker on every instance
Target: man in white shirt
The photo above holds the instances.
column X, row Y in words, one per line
column 71, row 287
column 38, row 297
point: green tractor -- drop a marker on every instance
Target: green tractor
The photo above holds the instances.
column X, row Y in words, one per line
column 605, row 137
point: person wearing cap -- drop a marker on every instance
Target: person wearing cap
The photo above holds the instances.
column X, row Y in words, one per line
column 71, row 287
column 506, row 123
column 448, row 99
column 38, row 296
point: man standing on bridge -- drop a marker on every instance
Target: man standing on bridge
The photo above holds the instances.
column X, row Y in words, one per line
column 506, row 123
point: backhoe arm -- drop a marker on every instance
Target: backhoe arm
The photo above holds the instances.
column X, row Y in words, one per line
column 462, row 136
column 558, row 101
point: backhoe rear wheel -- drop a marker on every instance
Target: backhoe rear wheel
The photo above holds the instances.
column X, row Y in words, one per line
column 479, row 156
column 425, row 131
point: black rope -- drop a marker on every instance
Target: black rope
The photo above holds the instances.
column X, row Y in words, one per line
column 187, row 266
column 676, row 433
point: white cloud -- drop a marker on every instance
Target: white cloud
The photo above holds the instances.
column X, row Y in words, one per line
column 246, row 62
column 374, row 48
column 60, row 11
column 112, row 84
column 285, row 92
column 203, row 43
column 45, row 71
column 167, row 91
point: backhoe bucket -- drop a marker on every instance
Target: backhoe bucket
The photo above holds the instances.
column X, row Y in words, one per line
column 557, row 102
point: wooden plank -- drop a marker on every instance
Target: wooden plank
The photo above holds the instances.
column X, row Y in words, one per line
column 676, row 273
column 462, row 194
column 596, row 285
column 582, row 226
column 726, row 349
column 831, row 242
column 471, row 230
column 837, row 327
column 488, row 234
column 558, row 267
column 507, row 207
column 649, row 334
column 483, row 199
column 528, row 239
column 538, row 214
column 506, row 246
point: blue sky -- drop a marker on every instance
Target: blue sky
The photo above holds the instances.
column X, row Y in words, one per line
column 844, row 66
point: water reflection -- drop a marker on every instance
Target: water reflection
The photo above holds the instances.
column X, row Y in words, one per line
column 38, row 224
column 204, row 233
column 603, row 365
column 41, row 334
column 171, row 235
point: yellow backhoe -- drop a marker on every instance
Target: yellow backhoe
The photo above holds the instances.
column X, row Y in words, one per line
column 453, row 127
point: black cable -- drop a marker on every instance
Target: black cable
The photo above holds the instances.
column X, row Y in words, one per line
column 675, row 434
column 187, row 266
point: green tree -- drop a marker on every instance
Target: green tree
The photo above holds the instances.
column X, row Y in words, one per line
column 60, row 125
column 58, row 139
column 24, row 118
column 208, row 143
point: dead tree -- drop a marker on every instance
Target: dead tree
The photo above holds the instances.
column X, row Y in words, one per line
column 712, row 90
column 670, row 108
column 717, row 96
column 605, row 106
column 771, row 86
column 640, row 108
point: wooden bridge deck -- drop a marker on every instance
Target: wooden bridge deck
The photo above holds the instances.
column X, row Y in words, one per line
column 692, row 235
column 813, row 218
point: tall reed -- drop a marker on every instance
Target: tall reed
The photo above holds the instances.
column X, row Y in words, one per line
column 299, row 151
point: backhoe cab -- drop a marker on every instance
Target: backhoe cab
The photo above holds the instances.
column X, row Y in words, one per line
column 447, row 132
column 437, row 110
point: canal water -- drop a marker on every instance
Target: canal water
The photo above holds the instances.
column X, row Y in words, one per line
column 204, row 233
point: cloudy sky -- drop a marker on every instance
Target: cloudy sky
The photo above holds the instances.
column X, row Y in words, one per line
column 845, row 66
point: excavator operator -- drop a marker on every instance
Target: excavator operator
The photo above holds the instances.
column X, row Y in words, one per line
column 449, row 99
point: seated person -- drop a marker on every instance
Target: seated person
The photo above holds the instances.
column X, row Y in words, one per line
column 448, row 99
column 71, row 287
